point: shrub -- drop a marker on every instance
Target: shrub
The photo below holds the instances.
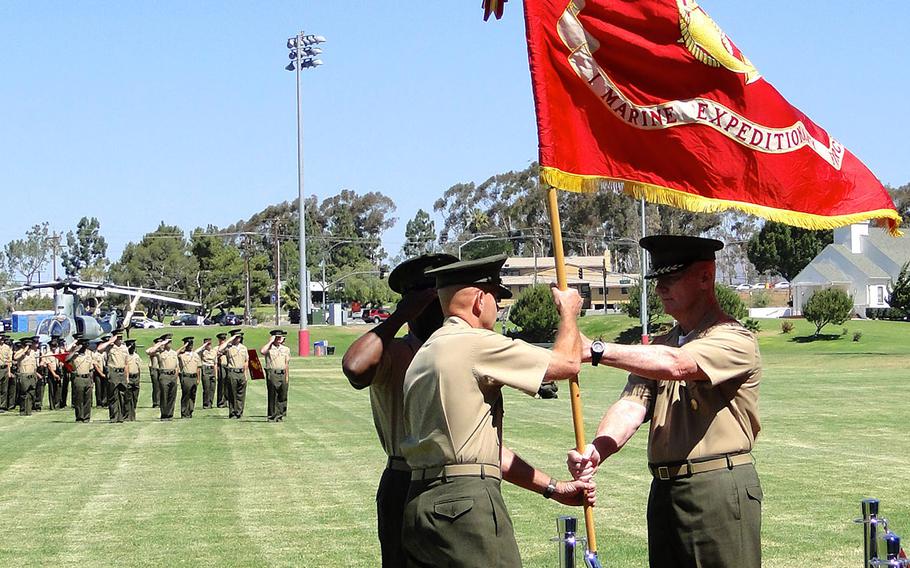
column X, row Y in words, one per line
column 633, row 307
column 786, row 326
column 730, row 302
column 535, row 312
column 752, row 325
column 761, row 299
column 831, row 305
column 857, row 335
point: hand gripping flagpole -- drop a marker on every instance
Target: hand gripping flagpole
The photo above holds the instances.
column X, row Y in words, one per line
column 574, row 391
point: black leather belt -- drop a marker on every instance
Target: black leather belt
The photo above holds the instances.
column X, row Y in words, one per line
column 162, row 371
column 277, row 371
column 117, row 369
column 83, row 376
column 235, row 369
column 187, row 374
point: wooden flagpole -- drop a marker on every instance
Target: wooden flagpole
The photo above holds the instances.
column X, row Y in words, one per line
column 574, row 390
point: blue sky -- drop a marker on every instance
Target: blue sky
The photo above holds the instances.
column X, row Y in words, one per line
column 181, row 111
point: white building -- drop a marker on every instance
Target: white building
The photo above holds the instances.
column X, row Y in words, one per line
column 863, row 261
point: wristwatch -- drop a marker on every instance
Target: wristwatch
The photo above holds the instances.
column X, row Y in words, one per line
column 597, row 351
column 550, row 490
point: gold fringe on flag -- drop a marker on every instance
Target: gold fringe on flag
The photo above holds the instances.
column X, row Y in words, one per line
column 699, row 204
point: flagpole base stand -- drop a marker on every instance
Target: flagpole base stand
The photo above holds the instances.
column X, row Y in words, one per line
column 591, row 560
column 303, row 340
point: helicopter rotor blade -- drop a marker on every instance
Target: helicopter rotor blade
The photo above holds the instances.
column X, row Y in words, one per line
column 143, row 294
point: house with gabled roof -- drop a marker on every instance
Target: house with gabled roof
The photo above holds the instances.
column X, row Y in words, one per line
column 863, row 261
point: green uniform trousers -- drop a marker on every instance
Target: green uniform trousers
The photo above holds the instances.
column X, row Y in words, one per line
column 133, row 400
column 459, row 521
column 53, row 392
column 155, row 378
column 26, row 388
column 276, row 383
column 187, row 395
column 222, row 386
column 100, row 390
column 12, row 392
column 236, row 390
column 707, row 520
column 66, row 379
column 82, row 397
column 117, row 393
column 4, row 387
column 167, row 395
column 208, row 386
column 38, row 401
column 391, row 497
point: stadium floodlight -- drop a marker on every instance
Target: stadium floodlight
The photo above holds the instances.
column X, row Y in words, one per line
column 302, row 57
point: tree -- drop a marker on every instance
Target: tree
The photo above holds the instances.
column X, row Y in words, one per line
column 219, row 275
column 535, row 313
column 29, row 256
column 901, row 198
column 899, row 299
column 785, row 250
column 730, row 302
column 831, row 305
column 419, row 235
column 633, row 307
column 87, row 249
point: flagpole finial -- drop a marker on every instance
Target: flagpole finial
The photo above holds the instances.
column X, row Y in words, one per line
column 494, row 7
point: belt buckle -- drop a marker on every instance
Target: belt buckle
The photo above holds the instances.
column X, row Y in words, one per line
column 663, row 473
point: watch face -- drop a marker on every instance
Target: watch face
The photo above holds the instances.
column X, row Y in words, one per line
column 597, row 347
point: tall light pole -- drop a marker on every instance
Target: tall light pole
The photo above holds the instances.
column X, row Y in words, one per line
column 302, row 55
column 471, row 240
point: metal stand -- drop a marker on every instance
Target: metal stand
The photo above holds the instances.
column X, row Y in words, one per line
column 568, row 545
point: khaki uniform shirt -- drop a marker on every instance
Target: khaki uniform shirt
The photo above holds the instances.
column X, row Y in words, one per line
column 699, row 419
column 386, row 392
column 222, row 359
column 28, row 363
column 189, row 363
column 236, row 356
column 98, row 359
column 116, row 356
column 6, row 355
column 453, row 393
column 83, row 363
column 133, row 364
column 153, row 362
column 51, row 363
column 167, row 360
column 277, row 357
column 208, row 357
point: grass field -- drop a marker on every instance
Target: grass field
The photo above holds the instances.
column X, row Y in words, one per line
column 215, row 492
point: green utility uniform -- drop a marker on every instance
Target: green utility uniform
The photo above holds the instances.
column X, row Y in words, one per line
column 54, row 377
column 117, row 387
column 453, row 409
column 27, row 378
column 236, row 361
column 40, row 382
column 155, row 380
column 133, row 371
column 209, row 358
column 167, row 380
column 705, row 502
column 277, row 359
column 190, row 374
column 6, row 363
column 83, row 365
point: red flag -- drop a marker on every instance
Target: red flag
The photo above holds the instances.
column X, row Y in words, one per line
column 62, row 358
column 651, row 96
column 256, row 372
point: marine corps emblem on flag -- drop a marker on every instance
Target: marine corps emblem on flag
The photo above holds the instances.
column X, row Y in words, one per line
column 653, row 98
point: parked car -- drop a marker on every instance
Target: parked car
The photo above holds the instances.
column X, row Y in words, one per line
column 375, row 315
column 782, row 286
column 145, row 323
column 743, row 287
column 227, row 318
column 191, row 319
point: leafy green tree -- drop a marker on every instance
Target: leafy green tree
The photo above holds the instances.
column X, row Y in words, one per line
column 419, row 235
column 831, row 305
column 162, row 260
column 29, row 256
column 899, row 299
column 633, row 307
column 219, row 280
column 535, row 313
column 785, row 250
column 901, row 198
column 730, row 302
column 86, row 253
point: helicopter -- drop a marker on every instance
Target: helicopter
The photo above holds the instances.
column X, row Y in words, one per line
column 73, row 316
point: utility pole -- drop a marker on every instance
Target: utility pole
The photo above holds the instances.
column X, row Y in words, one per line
column 246, row 266
column 275, row 227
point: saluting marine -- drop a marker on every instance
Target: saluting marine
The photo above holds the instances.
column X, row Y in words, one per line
column 190, row 375
column 53, row 373
column 153, row 375
column 100, row 377
column 133, row 372
column 209, row 358
column 167, row 375
column 27, row 360
column 277, row 359
column 221, row 371
column 116, row 354
column 83, row 363
column 6, row 364
column 236, row 361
